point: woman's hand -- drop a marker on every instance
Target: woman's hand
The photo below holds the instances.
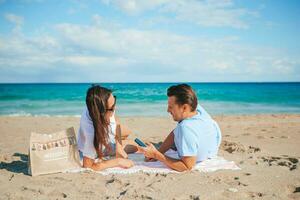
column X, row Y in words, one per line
column 125, row 163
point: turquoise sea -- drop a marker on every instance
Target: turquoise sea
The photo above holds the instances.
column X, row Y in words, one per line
column 149, row 99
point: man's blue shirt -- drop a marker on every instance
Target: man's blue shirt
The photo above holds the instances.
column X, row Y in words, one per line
column 197, row 136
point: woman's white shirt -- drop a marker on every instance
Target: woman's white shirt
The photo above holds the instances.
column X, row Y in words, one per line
column 86, row 133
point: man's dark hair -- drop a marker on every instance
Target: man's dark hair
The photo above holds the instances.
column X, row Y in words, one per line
column 184, row 95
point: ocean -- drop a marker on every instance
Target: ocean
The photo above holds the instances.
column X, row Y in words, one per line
column 149, row 99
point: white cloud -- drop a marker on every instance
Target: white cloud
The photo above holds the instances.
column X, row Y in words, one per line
column 15, row 19
column 18, row 20
column 211, row 13
column 134, row 7
column 105, row 52
column 87, row 61
column 285, row 65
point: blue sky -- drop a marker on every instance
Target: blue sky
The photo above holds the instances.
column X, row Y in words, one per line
column 149, row 40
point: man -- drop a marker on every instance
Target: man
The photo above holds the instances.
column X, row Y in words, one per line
column 196, row 136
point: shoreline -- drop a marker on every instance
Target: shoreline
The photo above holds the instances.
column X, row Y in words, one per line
column 154, row 116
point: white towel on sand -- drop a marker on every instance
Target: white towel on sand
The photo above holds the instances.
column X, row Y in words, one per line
column 209, row 165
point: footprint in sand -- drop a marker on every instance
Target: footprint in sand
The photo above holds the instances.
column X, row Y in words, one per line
column 57, row 195
column 294, row 192
column 115, row 182
column 195, row 197
column 284, row 137
column 246, row 134
column 132, row 194
column 293, row 189
column 252, row 149
column 297, row 189
column 232, row 147
column 289, row 162
column 255, row 194
column 24, row 188
column 242, row 184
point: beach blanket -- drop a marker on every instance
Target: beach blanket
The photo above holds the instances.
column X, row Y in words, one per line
column 209, row 165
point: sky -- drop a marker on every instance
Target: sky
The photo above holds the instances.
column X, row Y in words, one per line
column 149, row 41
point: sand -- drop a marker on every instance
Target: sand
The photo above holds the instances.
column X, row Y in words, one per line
column 265, row 147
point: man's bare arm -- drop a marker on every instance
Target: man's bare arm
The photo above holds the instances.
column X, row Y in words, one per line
column 167, row 144
column 186, row 163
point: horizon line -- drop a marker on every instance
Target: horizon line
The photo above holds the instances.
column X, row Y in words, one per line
column 191, row 82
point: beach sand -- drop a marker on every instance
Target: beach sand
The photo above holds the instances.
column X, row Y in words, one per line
column 265, row 147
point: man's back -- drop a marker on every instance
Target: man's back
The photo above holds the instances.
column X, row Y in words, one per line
column 197, row 136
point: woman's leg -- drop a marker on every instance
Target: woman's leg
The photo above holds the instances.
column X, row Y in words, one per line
column 129, row 146
column 125, row 132
column 124, row 146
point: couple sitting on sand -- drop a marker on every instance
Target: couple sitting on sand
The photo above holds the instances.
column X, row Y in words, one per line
column 196, row 137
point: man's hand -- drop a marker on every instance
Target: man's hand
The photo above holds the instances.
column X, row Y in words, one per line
column 150, row 151
column 186, row 163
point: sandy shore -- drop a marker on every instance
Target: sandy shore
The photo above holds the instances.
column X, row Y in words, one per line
column 266, row 147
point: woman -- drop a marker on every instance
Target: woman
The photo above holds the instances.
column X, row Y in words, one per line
column 99, row 133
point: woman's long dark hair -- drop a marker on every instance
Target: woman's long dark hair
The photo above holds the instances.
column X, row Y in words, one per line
column 96, row 101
